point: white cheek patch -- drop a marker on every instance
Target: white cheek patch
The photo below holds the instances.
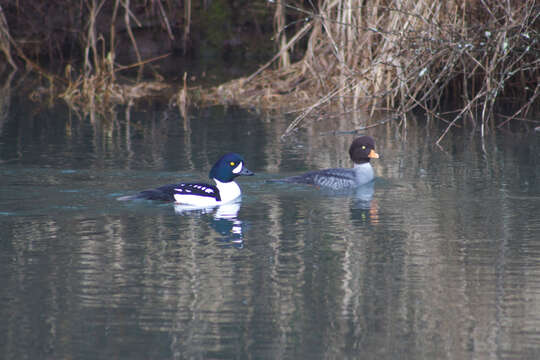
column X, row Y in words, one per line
column 237, row 169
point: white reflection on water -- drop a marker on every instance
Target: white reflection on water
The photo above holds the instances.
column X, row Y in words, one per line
column 224, row 221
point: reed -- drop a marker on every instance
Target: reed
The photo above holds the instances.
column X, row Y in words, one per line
column 460, row 61
column 93, row 85
column 5, row 39
column 97, row 87
column 457, row 60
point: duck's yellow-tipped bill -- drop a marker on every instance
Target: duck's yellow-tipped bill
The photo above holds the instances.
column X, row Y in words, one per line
column 373, row 155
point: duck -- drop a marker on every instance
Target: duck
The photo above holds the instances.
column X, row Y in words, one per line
column 361, row 151
column 225, row 190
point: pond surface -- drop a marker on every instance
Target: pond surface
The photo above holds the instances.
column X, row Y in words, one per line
column 439, row 259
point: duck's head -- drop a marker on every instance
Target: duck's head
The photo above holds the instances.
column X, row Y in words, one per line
column 228, row 167
column 362, row 150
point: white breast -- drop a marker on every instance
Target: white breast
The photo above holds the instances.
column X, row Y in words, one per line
column 228, row 191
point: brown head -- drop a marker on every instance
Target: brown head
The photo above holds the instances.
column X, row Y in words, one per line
column 362, row 150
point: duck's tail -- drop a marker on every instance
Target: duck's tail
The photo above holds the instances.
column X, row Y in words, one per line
column 128, row 197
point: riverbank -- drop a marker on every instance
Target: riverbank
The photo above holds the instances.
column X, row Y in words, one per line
column 460, row 62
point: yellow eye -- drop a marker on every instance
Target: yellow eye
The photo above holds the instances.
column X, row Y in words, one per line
column 232, row 163
column 363, row 147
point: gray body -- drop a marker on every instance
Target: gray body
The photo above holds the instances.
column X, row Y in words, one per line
column 335, row 179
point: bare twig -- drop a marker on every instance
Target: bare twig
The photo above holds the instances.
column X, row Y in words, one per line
column 5, row 39
column 291, row 42
column 127, row 13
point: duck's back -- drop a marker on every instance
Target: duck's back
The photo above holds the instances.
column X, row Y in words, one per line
column 171, row 191
column 329, row 178
column 334, row 179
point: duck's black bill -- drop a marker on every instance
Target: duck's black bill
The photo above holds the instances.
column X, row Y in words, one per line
column 246, row 172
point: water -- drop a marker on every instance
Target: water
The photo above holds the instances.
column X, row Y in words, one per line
column 439, row 259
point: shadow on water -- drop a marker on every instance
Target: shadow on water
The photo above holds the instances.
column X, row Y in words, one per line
column 435, row 259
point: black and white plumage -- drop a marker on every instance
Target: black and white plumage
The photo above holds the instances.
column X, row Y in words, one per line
column 224, row 171
column 168, row 192
column 204, row 190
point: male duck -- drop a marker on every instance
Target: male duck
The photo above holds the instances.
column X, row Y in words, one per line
column 361, row 151
column 224, row 171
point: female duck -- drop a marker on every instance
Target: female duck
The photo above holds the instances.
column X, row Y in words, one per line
column 361, row 151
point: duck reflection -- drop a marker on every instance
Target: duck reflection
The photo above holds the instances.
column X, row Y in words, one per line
column 224, row 220
column 363, row 196
column 364, row 208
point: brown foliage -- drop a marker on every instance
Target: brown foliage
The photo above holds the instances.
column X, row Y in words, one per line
column 467, row 55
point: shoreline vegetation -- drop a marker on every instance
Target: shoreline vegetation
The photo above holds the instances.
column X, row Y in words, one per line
column 463, row 62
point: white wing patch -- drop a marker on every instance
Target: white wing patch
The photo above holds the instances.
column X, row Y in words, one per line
column 237, row 169
column 194, row 186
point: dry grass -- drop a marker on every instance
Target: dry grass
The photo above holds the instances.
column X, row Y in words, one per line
column 469, row 56
column 97, row 87
column 94, row 87
column 461, row 61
